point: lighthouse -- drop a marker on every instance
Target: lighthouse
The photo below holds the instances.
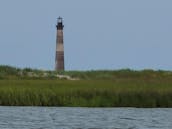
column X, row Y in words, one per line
column 59, row 60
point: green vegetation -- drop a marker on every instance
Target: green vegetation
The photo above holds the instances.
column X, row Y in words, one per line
column 121, row 88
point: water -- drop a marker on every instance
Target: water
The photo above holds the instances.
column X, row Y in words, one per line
column 84, row 118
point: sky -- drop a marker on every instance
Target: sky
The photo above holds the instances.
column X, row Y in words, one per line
column 98, row 34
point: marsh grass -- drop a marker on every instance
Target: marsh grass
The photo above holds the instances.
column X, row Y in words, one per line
column 116, row 88
column 87, row 93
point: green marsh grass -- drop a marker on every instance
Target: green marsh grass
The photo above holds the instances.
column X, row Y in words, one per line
column 87, row 93
column 105, row 88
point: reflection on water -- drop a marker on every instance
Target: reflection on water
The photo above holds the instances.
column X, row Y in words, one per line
column 84, row 118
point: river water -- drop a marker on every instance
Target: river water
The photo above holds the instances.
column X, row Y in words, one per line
column 84, row 118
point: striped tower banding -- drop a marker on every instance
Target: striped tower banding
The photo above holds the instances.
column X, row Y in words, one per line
column 59, row 66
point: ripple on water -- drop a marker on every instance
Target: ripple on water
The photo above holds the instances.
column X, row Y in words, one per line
column 84, row 118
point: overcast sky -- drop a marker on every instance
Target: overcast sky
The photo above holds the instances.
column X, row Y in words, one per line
column 98, row 34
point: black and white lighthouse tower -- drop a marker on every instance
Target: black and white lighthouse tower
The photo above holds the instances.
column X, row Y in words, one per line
column 59, row 61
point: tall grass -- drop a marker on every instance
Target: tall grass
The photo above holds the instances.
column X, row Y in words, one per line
column 116, row 88
column 87, row 93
